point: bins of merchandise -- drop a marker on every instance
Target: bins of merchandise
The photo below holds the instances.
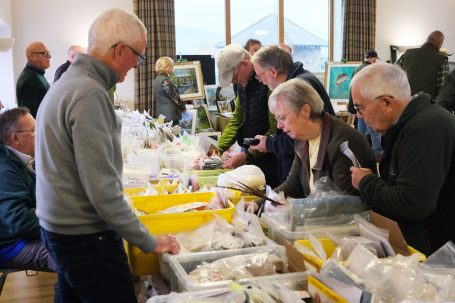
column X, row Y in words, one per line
column 315, row 263
column 296, row 282
column 157, row 223
column 279, row 232
column 182, row 266
column 168, row 274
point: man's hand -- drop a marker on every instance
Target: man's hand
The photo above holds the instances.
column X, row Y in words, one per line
column 357, row 175
column 235, row 161
column 167, row 244
column 261, row 145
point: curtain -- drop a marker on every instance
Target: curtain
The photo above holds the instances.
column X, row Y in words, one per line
column 158, row 17
column 359, row 29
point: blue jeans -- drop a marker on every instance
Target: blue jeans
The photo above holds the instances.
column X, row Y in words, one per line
column 374, row 136
column 91, row 268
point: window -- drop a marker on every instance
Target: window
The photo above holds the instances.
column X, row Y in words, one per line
column 306, row 30
column 256, row 19
column 200, row 27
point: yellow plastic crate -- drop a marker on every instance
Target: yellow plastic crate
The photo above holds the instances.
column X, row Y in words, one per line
column 329, row 248
column 156, row 223
column 208, row 172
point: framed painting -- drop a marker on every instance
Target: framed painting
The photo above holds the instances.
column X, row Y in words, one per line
column 224, row 106
column 189, row 121
column 187, row 77
column 204, row 122
column 226, row 93
column 338, row 76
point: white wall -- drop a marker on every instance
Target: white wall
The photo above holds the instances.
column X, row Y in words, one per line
column 60, row 24
column 408, row 22
column 7, row 83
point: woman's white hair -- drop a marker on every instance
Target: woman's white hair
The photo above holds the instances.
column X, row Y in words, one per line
column 380, row 79
column 114, row 26
column 295, row 93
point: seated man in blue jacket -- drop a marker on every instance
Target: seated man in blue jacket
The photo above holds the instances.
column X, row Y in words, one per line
column 20, row 245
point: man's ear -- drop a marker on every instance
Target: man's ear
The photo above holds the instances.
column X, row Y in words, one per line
column 273, row 72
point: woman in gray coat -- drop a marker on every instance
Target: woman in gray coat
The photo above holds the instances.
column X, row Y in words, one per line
column 168, row 101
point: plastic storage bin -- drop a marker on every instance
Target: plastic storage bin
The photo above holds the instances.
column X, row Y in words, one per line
column 145, row 264
column 279, row 233
column 182, row 265
column 294, row 281
column 168, row 274
column 312, row 262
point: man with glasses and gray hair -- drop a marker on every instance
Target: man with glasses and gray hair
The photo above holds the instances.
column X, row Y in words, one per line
column 20, row 245
column 31, row 85
column 80, row 203
column 273, row 65
column 417, row 171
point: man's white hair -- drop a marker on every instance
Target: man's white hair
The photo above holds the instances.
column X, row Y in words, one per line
column 114, row 26
column 382, row 79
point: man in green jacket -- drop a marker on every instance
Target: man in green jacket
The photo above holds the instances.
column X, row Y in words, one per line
column 417, row 173
column 32, row 85
column 251, row 115
column 20, row 245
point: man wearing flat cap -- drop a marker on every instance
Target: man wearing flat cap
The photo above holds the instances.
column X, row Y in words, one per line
column 251, row 115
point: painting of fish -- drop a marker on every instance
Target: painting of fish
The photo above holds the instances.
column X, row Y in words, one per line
column 338, row 77
column 341, row 79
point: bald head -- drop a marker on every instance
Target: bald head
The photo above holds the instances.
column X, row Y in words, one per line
column 73, row 50
column 436, row 38
column 38, row 55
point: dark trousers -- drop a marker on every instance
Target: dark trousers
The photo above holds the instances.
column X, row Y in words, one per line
column 91, row 268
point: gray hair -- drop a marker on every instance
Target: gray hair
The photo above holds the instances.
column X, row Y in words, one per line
column 382, row 79
column 273, row 56
column 295, row 93
column 114, row 26
column 9, row 122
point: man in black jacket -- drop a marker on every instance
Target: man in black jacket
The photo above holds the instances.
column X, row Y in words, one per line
column 417, row 171
column 273, row 66
column 426, row 67
column 72, row 51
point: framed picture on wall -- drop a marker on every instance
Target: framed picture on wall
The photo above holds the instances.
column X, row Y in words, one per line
column 187, row 77
column 338, row 76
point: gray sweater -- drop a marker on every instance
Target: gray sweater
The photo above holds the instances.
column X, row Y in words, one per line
column 79, row 159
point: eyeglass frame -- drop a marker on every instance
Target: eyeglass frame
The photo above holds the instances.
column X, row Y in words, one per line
column 259, row 77
column 141, row 57
column 46, row 54
column 24, row 131
column 361, row 109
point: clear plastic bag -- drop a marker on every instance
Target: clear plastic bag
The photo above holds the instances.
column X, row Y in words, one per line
column 325, row 206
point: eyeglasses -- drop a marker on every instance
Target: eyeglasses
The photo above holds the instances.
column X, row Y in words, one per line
column 236, row 75
column 140, row 57
column 46, row 54
column 259, row 77
column 361, row 108
column 25, row 131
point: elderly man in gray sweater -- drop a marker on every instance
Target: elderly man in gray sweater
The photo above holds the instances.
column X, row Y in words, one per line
column 79, row 193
